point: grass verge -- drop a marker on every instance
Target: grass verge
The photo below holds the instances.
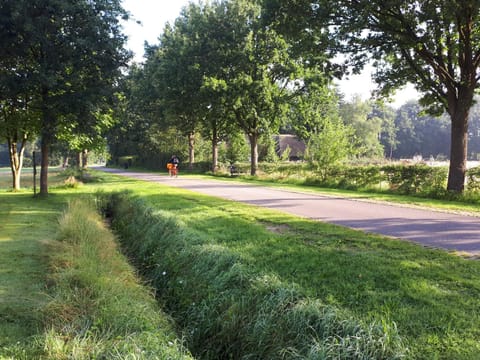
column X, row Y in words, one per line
column 24, row 228
column 69, row 294
column 99, row 310
column 431, row 296
column 430, row 299
column 229, row 309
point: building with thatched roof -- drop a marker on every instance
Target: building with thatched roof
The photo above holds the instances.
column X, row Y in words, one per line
column 291, row 145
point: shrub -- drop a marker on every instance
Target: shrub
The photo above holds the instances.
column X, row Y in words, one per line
column 473, row 180
column 416, row 179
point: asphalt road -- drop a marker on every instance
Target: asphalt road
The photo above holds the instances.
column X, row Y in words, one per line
column 436, row 229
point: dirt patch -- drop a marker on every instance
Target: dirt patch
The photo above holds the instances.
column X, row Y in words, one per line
column 277, row 228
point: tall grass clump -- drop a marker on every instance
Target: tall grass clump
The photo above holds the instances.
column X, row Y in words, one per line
column 98, row 309
column 229, row 310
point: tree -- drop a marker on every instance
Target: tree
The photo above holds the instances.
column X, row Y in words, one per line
column 358, row 114
column 260, row 77
column 316, row 120
column 207, row 29
column 311, row 109
column 73, row 51
column 433, row 44
column 173, row 73
column 333, row 144
column 188, row 68
column 87, row 135
column 18, row 118
column 388, row 136
column 419, row 133
column 17, row 125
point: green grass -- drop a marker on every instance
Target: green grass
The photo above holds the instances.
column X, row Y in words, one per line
column 433, row 297
column 68, row 293
column 98, row 307
column 229, row 308
column 25, row 226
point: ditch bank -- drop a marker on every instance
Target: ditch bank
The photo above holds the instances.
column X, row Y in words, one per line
column 227, row 310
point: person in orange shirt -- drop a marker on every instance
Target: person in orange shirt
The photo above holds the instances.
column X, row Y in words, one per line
column 172, row 165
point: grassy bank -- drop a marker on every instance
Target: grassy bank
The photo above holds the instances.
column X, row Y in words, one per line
column 65, row 290
column 98, row 309
column 431, row 297
column 228, row 308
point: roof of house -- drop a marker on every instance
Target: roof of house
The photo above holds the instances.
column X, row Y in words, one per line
column 297, row 146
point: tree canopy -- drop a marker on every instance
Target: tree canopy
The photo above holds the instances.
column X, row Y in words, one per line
column 433, row 44
column 70, row 52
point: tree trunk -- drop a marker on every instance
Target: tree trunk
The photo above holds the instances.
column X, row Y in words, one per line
column 84, row 158
column 45, row 147
column 78, row 155
column 214, row 149
column 47, row 135
column 458, row 151
column 253, row 154
column 191, row 150
column 214, row 156
column 16, row 160
column 65, row 162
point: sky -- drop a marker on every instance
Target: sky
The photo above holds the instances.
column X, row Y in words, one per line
column 154, row 14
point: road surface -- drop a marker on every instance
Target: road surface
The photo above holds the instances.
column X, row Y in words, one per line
column 430, row 228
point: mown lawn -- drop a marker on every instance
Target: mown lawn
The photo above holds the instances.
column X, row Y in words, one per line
column 26, row 224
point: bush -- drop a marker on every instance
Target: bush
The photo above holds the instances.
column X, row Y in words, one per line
column 226, row 309
column 416, row 179
column 419, row 180
column 473, row 180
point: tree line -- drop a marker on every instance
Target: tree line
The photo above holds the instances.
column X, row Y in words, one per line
column 59, row 65
column 225, row 70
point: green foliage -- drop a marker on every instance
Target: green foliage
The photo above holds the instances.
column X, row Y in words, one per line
column 418, row 179
column 419, row 133
column 236, row 149
column 421, row 180
column 327, row 148
column 68, row 56
column 267, row 149
column 358, row 115
column 316, row 105
column 441, row 52
column 229, row 310
column 473, row 180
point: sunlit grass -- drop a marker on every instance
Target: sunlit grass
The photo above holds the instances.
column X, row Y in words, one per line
column 43, row 312
column 428, row 294
column 431, row 296
column 99, row 309
column 24, row 228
